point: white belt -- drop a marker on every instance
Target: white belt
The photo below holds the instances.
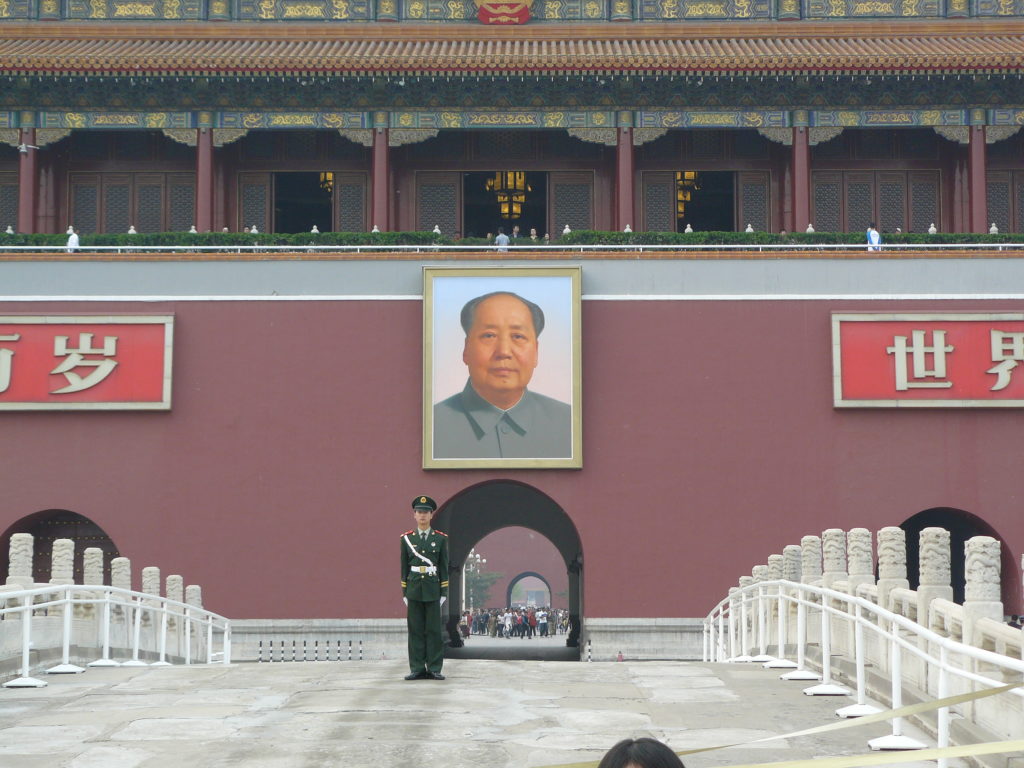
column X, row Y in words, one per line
column 430, row 570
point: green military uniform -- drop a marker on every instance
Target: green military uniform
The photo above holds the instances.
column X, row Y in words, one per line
column 424, row 583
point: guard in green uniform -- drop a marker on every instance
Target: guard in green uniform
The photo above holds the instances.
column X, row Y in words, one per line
column 424, row 590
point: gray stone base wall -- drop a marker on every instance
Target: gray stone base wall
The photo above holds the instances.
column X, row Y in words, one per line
column 317, row 639
column 605, row 639
column 331, row 639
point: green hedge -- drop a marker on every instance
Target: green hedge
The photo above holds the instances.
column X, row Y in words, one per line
column 582, row 237
column 590, row 237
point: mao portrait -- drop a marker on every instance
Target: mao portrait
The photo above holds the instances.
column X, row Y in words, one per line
column 501, row 367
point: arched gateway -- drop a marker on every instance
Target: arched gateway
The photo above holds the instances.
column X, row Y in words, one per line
column 483, row 509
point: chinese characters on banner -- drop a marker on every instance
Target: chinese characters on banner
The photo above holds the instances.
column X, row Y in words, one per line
column 946, row 360
column 82, row 362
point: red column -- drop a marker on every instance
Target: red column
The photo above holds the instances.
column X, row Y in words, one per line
column 977, row 201
column 381, row 172
column 801, row 178
column 204, row 179
column 28, row 182
column 624, row 172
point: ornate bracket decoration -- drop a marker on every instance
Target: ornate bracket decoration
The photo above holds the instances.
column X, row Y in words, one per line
column 222, row 136
column 606, row 136
column 817, row 136
column 398, row 137
column 647, row 135
column 503, row 11
column 10, row 136
column 994, row 133
column 961, row 134
column 46, row 136
column 362, row 136
column 185, row 136
column 778, row 135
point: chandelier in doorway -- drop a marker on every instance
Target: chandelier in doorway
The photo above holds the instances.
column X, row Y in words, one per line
column 510, row 188
column 327, row 181
column 686, row 184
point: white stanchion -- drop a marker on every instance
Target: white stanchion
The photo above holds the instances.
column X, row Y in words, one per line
column 105, row 660
column 26, row 680
column 801, row 673
column 782, row 609
column 827, row 687
column 861, row 708
column 896, row 740
column 162, row 659
column 66, row 667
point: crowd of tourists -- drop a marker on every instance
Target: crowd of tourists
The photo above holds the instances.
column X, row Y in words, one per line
column 524, row 623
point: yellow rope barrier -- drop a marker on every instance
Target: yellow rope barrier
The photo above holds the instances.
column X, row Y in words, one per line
column 876, row 758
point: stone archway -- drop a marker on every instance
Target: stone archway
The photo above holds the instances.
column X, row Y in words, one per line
column 50, row 525
column 961, row 526
column 519, row 577
column 481, row 509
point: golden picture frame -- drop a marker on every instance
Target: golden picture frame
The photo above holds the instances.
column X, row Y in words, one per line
column 499, row 392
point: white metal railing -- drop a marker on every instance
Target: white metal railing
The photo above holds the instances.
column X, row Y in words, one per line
column 910, row 654
column 32, row 613
column 503, row 251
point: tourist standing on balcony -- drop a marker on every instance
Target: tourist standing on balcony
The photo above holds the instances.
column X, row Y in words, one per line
column 874, row 238
column 501, row 240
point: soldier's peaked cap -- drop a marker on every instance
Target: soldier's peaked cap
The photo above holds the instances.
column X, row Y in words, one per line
column 424, row 502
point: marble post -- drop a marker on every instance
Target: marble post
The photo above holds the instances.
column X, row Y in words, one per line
column 121, row 573
column 982, row 598
column 934, row 571
column 92, row 566
column 175, row 591
column 858, row 557
column 19, row 569
column 892, row 563
column 92, row 573
column 62, row 569
column 810, row 560
column 833, row 544
column 121, row 578
column 792, row 555
column 62, row 562
column 151, row 586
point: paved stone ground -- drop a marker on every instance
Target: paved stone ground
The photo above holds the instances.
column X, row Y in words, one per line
column 487, row 714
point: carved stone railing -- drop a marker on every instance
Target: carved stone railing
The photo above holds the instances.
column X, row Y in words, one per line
column 914, row 642
column 41, row 623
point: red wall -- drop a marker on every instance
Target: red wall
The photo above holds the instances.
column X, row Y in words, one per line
column 282, row 477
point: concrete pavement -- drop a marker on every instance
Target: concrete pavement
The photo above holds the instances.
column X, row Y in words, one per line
column 488, row 713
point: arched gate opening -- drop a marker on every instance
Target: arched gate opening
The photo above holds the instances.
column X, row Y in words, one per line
column 483, row 509
column 48, row 526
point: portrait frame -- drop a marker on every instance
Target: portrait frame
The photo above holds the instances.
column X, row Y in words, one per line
column 556, row 378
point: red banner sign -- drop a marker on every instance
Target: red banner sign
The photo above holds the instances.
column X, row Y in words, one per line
column 947, row 360
column 82, row 362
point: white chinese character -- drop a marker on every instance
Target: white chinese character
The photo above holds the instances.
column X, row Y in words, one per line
column 1008, row 352
column 918, row 353
column 75, row 358
column 5, row 362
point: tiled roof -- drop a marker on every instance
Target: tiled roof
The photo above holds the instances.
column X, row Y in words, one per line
column 766, row 49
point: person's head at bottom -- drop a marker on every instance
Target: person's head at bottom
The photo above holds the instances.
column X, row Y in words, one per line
column 640, row 753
